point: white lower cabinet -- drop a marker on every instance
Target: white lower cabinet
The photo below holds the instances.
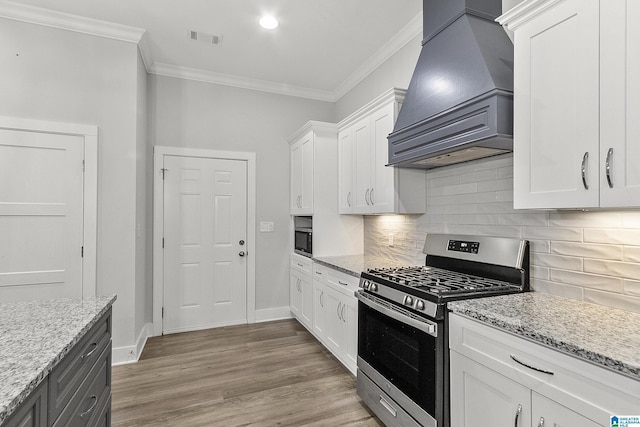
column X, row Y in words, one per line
column 335, row 313
column 498, row 379
column 301, row 289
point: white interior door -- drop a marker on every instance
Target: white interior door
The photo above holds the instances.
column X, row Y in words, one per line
column 205, row 232
column 41, row 215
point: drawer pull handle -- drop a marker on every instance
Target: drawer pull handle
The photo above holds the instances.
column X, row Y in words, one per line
column 319, row 273
column 94, row 347
column 93, row 405
column 388, row 407
column 518, row 412
column 541, row 422
column 529, row 366
column 342, row 283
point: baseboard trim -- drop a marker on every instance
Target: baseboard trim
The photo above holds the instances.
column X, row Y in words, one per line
column 131, row 354
column 276, row 313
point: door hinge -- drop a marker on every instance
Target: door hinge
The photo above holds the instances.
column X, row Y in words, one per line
column 162, row 311
column 83, row 166
column 163, row 171
column 81, row 251
column 163, row 243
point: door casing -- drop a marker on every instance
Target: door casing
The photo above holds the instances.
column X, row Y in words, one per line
column 158, row 223
column 90, row 188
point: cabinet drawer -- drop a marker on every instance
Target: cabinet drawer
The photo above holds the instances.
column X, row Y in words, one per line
column 67, row 377
column 301, row 263
column 320, row 273
column 86, row 407
column 33, row 411
column 592, row 391
column 342, row 282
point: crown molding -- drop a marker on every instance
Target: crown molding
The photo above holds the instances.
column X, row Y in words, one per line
column 524, row 12
column 66, row 21
column 196, row 74
column 397, row 42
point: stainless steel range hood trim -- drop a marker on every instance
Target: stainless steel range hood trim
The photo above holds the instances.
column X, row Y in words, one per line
column 471, row 124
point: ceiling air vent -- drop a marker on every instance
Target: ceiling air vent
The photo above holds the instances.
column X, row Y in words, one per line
column 200, row 36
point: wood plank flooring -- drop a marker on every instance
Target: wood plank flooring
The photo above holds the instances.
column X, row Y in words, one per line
column 265, row 374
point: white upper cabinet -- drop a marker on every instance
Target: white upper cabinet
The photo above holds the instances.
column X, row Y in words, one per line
column 576, row 93
column 366, row 184
column 301, row 201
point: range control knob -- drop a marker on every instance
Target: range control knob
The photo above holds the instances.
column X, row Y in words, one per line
column 365, row 285
column 420, row 305
column 374, row 287
column 408, row 300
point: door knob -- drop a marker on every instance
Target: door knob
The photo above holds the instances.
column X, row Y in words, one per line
column 242, row 253
column 241, row 242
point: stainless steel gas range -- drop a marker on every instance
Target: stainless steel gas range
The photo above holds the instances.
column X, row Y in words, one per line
column 403, row 354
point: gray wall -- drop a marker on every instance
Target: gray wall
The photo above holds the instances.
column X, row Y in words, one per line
column 394, row 72
column 57, row 75
column 185, row 113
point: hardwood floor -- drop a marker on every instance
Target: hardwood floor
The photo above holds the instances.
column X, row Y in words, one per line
column 265, row 374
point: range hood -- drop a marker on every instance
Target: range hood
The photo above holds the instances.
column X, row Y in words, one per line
column 459, row 104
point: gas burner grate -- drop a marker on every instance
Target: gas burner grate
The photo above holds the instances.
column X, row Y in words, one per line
column 441, row 282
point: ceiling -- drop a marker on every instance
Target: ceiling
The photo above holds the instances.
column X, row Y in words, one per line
column 321, row 49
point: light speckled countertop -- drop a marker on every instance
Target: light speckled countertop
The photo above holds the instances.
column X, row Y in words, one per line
column 356, row 264
column 35, row 336
column 602, row 335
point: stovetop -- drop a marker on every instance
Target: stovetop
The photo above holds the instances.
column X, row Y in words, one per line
column 436, row 284
column 456, row 267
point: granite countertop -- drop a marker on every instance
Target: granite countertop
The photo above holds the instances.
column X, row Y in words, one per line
column 356, row 264
column 602, row 335
column 35, row 336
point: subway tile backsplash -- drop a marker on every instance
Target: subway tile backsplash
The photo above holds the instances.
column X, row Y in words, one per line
column 590, row 256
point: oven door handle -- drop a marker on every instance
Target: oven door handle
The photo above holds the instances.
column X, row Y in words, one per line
column 424, row 326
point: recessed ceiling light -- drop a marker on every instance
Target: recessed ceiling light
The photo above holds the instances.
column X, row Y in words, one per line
column 268, row 22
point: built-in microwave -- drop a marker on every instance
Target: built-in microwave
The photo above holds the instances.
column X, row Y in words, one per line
column 303, row 241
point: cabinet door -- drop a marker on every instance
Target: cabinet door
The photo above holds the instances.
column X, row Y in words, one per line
column 620, row 104
column 481, row 397
column 319, row 311
column 345, row 172
column 306, row 308
column 334, row 324
column 362, row 161
column 350, row 318
column 382, row 193
column 556, row 123
column 547, row 413
column 33, row 411
column 295, row 293
column 295, row 178
column 306, row 201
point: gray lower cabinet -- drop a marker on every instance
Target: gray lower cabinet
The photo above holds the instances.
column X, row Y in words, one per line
column 77, row 392
column 33, row 411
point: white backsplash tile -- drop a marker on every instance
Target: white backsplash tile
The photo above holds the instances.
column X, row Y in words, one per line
column 632, row 287
column 587, row 250
column 586, row 280
column 610, row 299
column 591, row 256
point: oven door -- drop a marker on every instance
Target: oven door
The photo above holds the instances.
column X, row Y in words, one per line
column 402, row 354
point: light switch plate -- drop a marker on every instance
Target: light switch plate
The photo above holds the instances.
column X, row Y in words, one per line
column 266, row 227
